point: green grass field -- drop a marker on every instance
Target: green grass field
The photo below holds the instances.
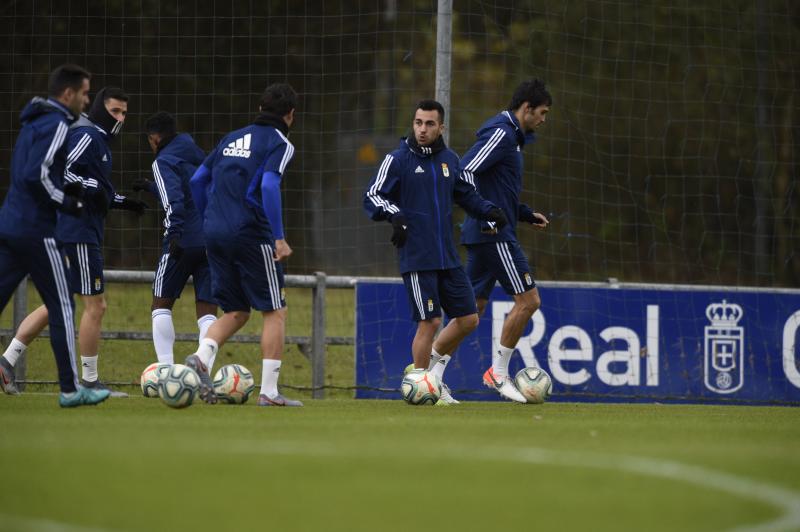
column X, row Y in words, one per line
column 134, row 464
column 340, row 464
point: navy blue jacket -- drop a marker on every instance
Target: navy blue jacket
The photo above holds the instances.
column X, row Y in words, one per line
column 89, row 163
column 174, row 166
column 423, row 187
column 37, row 169
column 227, row 187
column 494, row 166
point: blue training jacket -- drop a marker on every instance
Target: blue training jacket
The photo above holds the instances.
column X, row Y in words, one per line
column 89, row 163
column 494, row 166
column 174, row 166
column 227, row 188
column 37, row 170
column 423, row 186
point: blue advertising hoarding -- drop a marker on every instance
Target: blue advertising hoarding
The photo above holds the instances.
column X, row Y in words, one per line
column 604, row 343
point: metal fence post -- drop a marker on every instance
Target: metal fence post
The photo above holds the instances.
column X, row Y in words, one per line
column 318, row 336
column 20, row 311
column 444, row 52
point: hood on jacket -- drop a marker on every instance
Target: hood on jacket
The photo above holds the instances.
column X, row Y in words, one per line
column 38, row 107
column 507, row 118
column 182, row 144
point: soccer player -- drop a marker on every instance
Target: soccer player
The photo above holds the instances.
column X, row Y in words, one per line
column 28, row 223
column 414, row 190
column 237, row 189
column 88, row 168
column 494, row 166
column 183, row 252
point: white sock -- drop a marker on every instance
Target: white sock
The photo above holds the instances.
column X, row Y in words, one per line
column 89, row 366
column 500, row 360
column 440, row 366
column 14, row 351
column 163, row 335
column 270, row 370
column 203, row 324
column 435, row 356
column 207, row 351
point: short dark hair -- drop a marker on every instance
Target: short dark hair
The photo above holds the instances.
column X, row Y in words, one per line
column 531, row 91
column 116, row 93
column 161, row 123
column 432, row 105
column 279, row 99
column 65, row 77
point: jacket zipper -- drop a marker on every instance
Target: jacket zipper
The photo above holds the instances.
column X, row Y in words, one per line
column 438, row 215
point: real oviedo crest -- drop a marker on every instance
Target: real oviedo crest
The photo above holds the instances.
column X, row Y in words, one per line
column 724, row 348
column 445, row 170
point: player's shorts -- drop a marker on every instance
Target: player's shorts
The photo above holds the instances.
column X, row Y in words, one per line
column 172, row 275
column 505, row 262
column 244, row 275
column 431, row 291
column 85, row 273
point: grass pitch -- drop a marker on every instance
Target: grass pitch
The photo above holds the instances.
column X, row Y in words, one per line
column 134, row 464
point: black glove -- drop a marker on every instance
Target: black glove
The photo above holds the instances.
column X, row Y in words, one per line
column 134, row 205
column 99, row 201
column 497, row 216
column 526, row 215
column 72, row 203
column 399, row 230
column 175, row 250
column 142, row 183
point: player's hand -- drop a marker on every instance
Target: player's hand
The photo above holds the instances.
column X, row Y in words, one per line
column 540, row 220
column 282, row 250
column 497, row 216
column 133, row 205
column 142, row 183
column 175, row 250
column 399, row 230
column 72, row 203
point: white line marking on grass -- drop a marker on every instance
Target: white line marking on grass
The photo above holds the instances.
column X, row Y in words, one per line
column 784, row 499
column 35, row 524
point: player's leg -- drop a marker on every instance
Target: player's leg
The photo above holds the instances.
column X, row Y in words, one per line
column 206, row 310
column 164, row 282
column 46, row 265
column 423, row 299
column 498, row 259
column 33, row 324
column 262, row 281
column 12, row 272
column 518, row 282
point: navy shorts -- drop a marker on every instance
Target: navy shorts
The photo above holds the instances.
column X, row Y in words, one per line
column 172, row 275
column 431, row 291
column 85, row 273
column 498, row 261
column 245, row 276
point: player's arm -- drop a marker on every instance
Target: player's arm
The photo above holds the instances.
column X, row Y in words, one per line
column 83, row 156
column 527, row 215
column 37, row 173
column 490, row 148
column 274, row 168
column 200, row 181
column 171, row 195
column 125, row 203
column 380, row 200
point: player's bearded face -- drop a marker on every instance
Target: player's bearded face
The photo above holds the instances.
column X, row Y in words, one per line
column 536, row 116
column 79, row 99
column 427, row 127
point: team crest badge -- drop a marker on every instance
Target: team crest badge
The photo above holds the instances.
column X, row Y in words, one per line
column 430, row 305
column 724, row 348
column 445, row 170
column 283, row 294
column 528, row 279
column 98, row 284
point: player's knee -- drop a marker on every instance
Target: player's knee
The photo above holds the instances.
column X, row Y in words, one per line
column 429, row 326
column 240, row 317
column 162, row 303
column 469, row 323
column 95, row 306
column 530, row 303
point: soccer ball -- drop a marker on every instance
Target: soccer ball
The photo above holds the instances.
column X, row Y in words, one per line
column 534, row 384
column 178, row 386
column 233, row 384
column 149, row 378
column 419, row 387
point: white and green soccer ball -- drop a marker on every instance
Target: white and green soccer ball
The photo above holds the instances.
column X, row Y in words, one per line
column 534, row 384
column 233, row 384
column 420, row 387
column 178, row 386
column 149, row 378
